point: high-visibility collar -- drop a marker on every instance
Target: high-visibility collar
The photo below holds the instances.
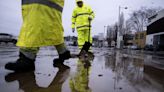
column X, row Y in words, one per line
column 44, row 2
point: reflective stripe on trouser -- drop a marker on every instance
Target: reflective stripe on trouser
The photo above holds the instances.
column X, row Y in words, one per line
column 83, row 37
column 31, row 52
column 61, row 48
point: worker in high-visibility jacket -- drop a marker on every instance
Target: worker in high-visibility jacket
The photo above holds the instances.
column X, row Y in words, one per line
column 42, row 26
column 81, row 16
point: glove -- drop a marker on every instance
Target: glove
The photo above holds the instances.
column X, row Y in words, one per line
column 73, row 30
column 89, row 18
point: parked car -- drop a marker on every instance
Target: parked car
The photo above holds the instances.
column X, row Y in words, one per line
column 6, row 38
column 149, row 47
column 133, row 47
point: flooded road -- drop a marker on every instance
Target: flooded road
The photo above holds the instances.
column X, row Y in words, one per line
column 108, row 71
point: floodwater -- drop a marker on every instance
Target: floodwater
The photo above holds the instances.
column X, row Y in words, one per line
column 108, row 71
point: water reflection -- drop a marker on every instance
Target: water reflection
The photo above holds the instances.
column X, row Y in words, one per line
column 132, row 70
column 110, row 71
column 27, row 81
column 80, row 82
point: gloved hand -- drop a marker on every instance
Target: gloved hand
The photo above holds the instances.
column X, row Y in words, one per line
column 73, row 30
column 89, row 18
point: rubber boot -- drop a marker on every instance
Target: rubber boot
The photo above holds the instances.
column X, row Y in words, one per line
column 66, row 55
column 59, row 61
column 23, row 64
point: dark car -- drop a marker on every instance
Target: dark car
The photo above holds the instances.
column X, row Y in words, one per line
column 149, row 48
column 6, row 38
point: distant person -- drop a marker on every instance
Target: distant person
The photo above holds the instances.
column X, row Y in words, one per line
column 42, row 26
column 81, row 16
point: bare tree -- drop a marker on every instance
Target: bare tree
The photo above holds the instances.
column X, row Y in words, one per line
column 112, row 33
column 139, row 18
column 128, row 27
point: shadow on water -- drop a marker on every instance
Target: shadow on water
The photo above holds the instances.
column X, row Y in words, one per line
column 27, row 81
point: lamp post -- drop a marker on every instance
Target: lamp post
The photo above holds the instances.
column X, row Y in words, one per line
column 104, row 36
column 119, row 36
column 105, row 32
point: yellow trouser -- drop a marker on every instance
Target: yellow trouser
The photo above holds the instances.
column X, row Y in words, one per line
column 30, row 52
column 83, row 37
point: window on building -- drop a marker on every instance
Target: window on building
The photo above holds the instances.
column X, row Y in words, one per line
column 136, row 37
column 141, row 36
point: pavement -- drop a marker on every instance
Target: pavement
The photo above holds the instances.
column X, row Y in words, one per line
column 109, row 71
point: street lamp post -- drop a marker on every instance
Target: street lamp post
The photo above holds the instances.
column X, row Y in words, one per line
column 104, row 36
column 119, row 36
column 105, row 32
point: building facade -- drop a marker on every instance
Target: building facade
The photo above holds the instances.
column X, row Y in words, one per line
column 155, row 31
column 140, row 39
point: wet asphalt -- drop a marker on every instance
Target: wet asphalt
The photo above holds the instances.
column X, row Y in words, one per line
column 109, row 71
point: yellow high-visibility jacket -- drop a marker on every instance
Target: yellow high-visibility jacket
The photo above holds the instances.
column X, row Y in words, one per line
column 80, row 17
column 42, row 23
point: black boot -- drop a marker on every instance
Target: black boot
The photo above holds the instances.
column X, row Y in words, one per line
column 23, row 64
column 59, row 61
column 66, row 55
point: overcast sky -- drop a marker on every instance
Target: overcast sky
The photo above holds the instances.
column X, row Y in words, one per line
column 106, row 12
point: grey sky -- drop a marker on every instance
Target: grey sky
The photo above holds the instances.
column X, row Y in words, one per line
column 106, row 12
